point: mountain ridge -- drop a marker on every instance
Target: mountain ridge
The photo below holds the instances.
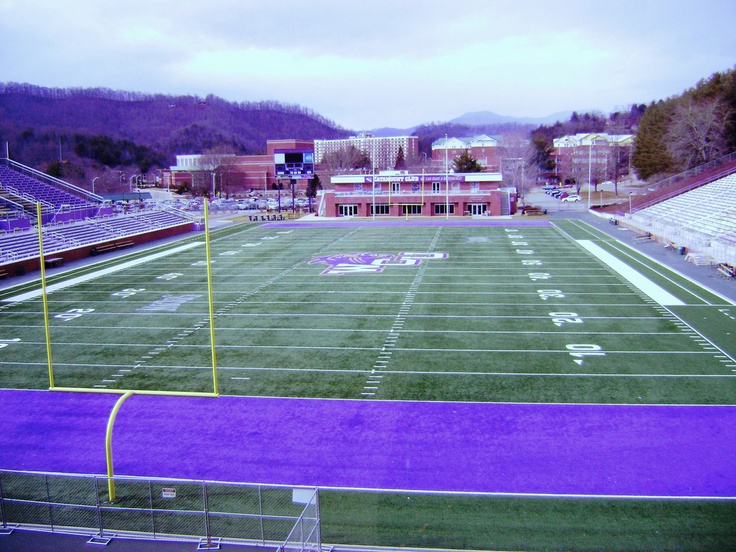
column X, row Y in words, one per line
column 478, row 119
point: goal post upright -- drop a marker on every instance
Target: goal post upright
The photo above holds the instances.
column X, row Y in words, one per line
column 44, row 295
column 210, row 301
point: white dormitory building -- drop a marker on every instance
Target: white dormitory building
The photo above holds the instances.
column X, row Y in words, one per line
column 382, row 151
column 484, row 149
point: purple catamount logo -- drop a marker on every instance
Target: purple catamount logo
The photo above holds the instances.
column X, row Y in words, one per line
column 364, row 263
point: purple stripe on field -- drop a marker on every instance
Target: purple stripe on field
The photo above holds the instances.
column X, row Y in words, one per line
column 62, row 432
column 384, row 223
column 465, row 447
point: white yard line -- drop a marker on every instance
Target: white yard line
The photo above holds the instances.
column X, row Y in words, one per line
column 641, row 282
column 92, row 275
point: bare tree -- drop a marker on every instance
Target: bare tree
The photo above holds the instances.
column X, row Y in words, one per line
column 213, row 165
column 697, row 132
column 619, row 162
column 518, row 162
column 346, row 159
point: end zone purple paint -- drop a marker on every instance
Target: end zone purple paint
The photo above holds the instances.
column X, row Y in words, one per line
column 460, row 447
column 343, row 223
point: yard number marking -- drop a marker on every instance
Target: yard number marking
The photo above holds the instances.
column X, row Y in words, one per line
column 5, row 342
column 545, row 294
column 169, row 276
column 582, row 350
column 560, row 318
column 71, row 314
column 127, row 292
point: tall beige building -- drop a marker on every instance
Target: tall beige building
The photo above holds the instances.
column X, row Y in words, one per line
column 382, row 151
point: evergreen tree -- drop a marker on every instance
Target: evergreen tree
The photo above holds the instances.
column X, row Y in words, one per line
column 465, row 163
column 651, row 156
column 400, row 164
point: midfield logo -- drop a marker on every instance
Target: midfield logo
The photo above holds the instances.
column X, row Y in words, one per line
column 364, row 263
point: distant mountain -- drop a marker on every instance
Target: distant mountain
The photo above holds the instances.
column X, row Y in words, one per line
column 486, row 121
column 44, row 125
column 478, row 118
column 389, row 131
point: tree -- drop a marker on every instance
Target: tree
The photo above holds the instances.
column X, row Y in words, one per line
column 697, row 132
column 466, row 163
column 313, row 184
column 651, row 155
column 349, row 158
column 619, row 161
column 400, row 164
column 519, row 162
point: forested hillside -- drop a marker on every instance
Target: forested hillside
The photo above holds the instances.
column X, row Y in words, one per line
column 80, row 133
column 685, row 131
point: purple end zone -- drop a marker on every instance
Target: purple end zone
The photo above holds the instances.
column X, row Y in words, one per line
column 685, row 451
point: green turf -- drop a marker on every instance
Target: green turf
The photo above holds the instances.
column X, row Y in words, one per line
column 511, row 315
column 500, row 523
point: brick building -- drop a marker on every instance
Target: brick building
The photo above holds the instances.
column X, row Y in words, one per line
column 233, row 174
column 484, row 149
column 592, row 157
column 400, row 193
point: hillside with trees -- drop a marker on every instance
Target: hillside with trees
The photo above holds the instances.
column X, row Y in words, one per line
column 685, row 131
column 79, row 134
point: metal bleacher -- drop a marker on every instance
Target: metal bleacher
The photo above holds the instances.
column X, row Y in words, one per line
column 69, row 218
column 22, row 188
column 60, row 237
column 702, row 220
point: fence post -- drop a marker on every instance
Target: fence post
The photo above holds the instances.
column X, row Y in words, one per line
column 48, row 501
column 2, row 506
column 207, row 543
column 99, row 507
column 260, row 514
column 5, row 529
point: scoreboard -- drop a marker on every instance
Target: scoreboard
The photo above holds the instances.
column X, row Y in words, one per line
column 294, row 163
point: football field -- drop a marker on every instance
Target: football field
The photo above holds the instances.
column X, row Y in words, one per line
column 538, row 313
column 520, row 361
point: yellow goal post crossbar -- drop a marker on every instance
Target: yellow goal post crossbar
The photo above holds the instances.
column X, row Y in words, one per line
column 125, row 393
column 210, row 301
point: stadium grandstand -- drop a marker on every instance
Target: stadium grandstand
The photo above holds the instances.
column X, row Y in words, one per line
column 75, row 223
column 694, row 212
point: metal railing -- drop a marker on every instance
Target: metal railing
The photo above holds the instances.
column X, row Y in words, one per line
column 165, row 509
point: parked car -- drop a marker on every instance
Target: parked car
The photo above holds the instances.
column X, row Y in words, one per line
column 573, row 198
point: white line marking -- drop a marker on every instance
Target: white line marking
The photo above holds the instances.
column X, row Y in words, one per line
column 99, row 273
column 644, row 284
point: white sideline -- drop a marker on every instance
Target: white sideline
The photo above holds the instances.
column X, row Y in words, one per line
column 644, row 284
column 92, row 275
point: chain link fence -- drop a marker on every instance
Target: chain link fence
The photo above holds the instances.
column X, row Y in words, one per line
column 278, row 517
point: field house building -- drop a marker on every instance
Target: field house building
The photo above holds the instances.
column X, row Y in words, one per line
column 401, row 193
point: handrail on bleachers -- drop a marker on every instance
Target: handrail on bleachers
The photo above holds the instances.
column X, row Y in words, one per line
column 677, row 184
column 45, row 178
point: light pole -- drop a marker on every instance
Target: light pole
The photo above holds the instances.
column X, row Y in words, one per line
column 93, row 183
column 630, row 194
column 590, row 172
column 447, row 183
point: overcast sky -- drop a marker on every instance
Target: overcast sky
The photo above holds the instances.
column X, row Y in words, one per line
column 375, row 63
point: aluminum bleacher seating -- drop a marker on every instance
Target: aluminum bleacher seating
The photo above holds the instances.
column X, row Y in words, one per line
column 59, row 237
column 703, row 218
